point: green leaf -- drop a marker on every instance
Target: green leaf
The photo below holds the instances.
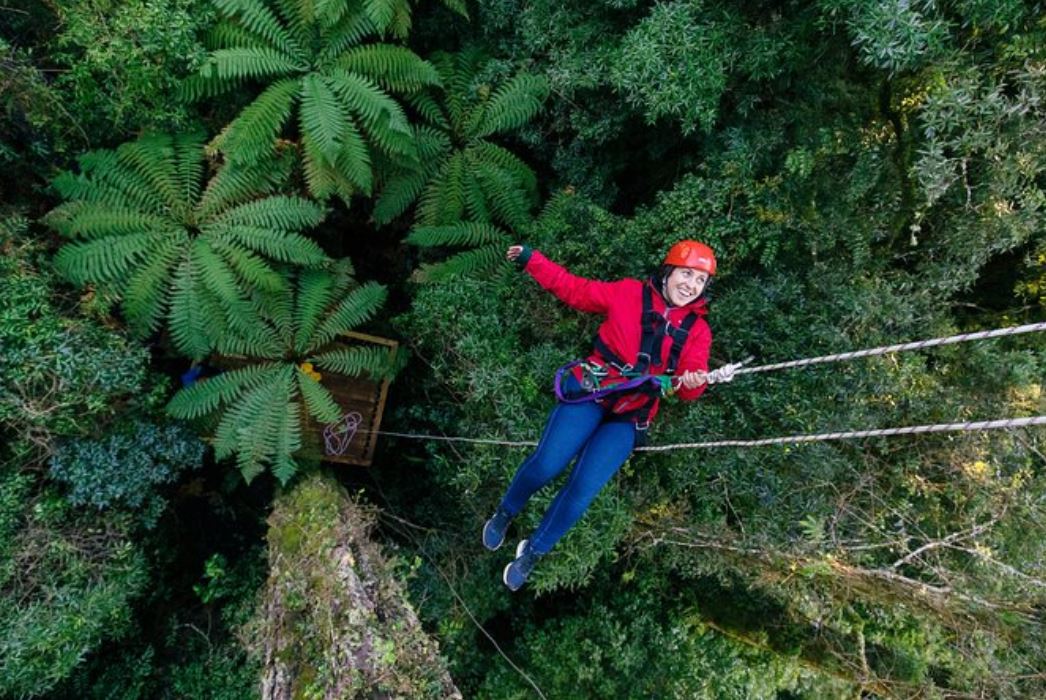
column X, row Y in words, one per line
column 356, row 361
column 358, row 307
column 252, row 134
column 322, row 116
column 318, row 400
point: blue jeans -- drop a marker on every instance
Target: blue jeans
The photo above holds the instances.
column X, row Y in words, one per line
column 572, row 428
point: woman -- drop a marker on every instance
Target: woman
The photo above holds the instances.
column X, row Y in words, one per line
column 653, row 327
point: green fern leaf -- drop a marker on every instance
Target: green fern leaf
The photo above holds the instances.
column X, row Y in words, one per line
column 353, row 160
column 381, row 116
column 429, row 109
column 506, row 161
column 397, row 195
column 288, row 441
column 512, row 105
column 93, row 220
column 251, row 270
column 205, row 396
column 234, row 184
column 104, row 259
column 278, row 245
column 318, row 400
column 508, row 203
column 275, row 212
column 470, row 262
column 356, row 308
column 443, row 200
column 322, row 116
column 316, row 290
column 145, row 298
column 253, row 133
column 189, row 326
column 463, row 233
column 151, row 157
column 249, row 62
column 351, row 30
column 259, row 20
column 395, row 68
column 319, row 172
column 356, row 361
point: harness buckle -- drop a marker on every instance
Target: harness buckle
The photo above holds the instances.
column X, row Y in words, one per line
column 643, row 426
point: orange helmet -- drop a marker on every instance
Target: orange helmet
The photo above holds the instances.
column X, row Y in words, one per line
column 691, row 254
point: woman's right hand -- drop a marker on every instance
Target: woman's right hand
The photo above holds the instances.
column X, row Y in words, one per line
column 513, row 252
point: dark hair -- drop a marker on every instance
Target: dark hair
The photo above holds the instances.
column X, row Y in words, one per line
column 666, row 270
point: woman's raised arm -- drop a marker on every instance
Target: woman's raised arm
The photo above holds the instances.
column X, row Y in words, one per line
column 593, row 296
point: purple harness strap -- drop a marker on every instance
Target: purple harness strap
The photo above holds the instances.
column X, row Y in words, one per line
column 634, row 383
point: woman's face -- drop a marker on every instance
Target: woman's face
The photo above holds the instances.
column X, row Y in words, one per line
column 685, row 284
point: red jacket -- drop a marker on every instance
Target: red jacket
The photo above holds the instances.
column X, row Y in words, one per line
column 621, row 302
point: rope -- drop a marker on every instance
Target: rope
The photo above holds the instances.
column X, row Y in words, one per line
column 916, row 345
column 967, row 426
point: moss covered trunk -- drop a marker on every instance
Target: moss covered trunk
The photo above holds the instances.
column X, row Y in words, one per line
column 335, row 621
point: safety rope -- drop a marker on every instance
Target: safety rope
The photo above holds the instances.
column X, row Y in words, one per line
column 817, row 437
column 967, row 426
column 900, row 347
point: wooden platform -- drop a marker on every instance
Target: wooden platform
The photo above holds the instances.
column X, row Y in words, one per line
column 354, row 395
column 358, row 395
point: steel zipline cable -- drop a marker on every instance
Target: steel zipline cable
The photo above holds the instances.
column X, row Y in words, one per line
column 964, row 426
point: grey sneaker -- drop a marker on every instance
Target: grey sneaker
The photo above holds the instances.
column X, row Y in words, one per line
column 494, row 530
column 519, row 569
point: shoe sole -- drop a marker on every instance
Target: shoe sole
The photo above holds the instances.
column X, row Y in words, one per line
column 504, row 574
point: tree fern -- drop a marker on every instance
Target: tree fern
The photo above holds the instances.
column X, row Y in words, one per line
column 488, row 244
column 173, row 248
column 260, row 405
column 460, row 174
column 311, row 58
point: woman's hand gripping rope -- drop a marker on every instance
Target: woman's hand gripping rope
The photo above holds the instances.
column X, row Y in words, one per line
column 721, row 375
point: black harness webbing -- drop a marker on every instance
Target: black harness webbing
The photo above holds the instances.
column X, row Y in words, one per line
column 655, row 328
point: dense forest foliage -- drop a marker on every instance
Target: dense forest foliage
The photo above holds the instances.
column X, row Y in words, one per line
column 185, row 180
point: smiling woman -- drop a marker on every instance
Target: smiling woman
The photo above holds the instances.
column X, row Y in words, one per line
column 652, row 328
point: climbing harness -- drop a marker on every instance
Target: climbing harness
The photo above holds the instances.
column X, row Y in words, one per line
column 338, row 435
column 614, row 377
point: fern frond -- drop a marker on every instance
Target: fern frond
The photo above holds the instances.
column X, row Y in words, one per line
column 105, row 179
column 397, row 195
column 429, row 109
column 228, row 34
column 205, row 396
column 381, row 116
column 475, row 198
column 188, row 168
column 330, row 12
column 353, row 160
column 358, row 307
column 252, row 134
column 470, row 262
column 319, row 172
column 188, row 324
column 443, row 200
column 288, row 441
column 512, row 105
column 249, row 62
column 464, row 233
column 508, row 203
column 318, row 401
column 278, row 245
column 258, row 19
column 351, row 30
column 251, row 271
column 507, row 161
column 237, row 183
column 106, row 258
column 145, row 297
column 395, row 68
column 152, row 158
column 315, row 292
column 457, row 6
column 93, row 220
column 281, row 212
column 356, row 361
column 322, row 116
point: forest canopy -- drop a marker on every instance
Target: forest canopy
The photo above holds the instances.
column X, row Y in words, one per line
column 200, row 198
